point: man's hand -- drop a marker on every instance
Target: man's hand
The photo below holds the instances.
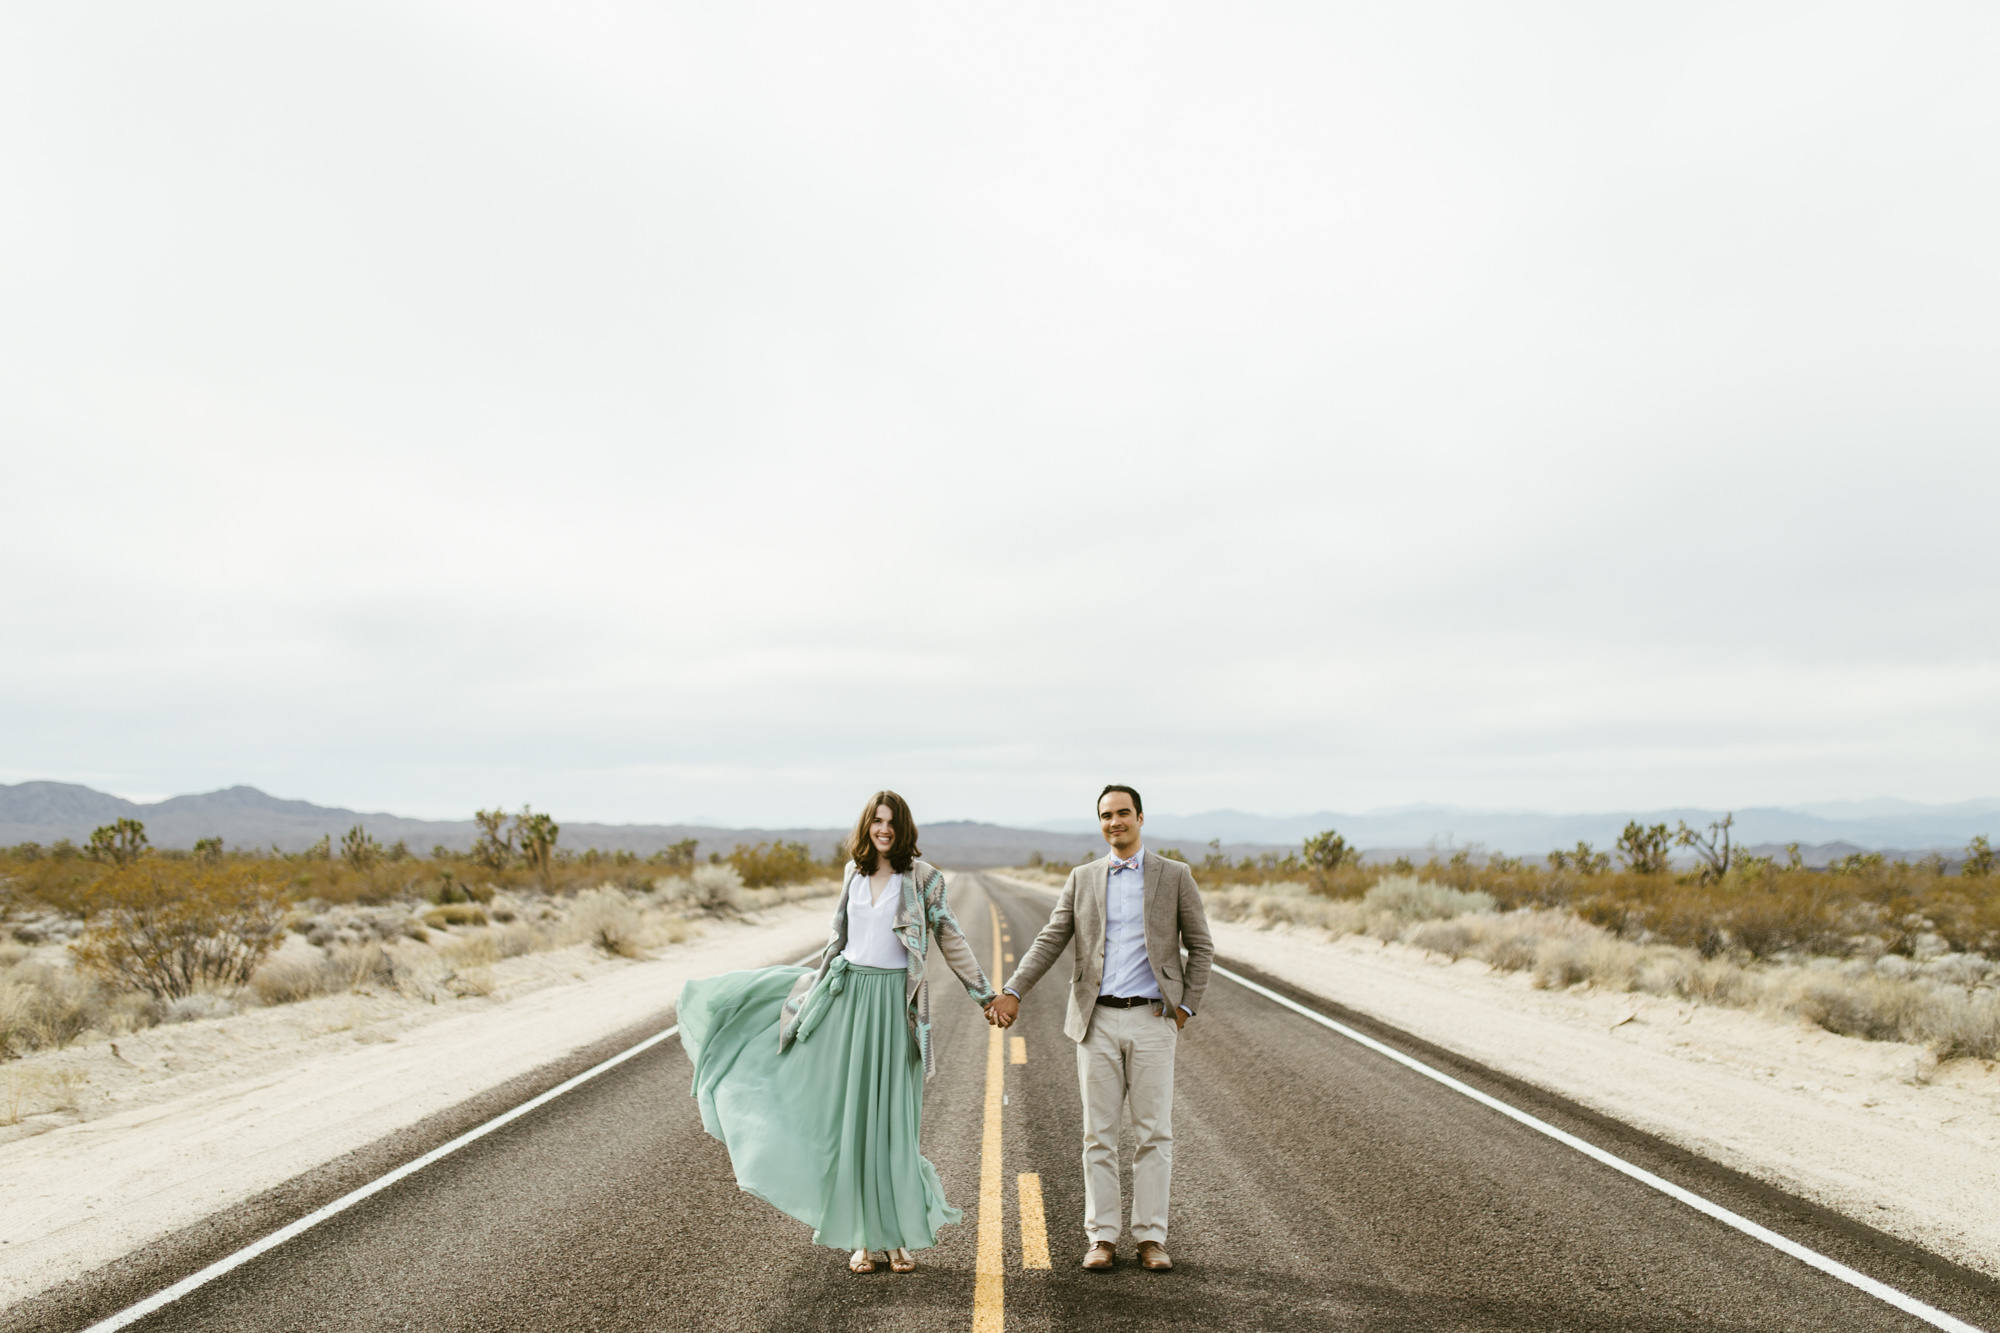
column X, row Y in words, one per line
column 1001, row 1012
column 1180, row 1018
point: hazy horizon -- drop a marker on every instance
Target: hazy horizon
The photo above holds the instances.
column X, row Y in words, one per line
column 1071, row 823
column 1054, row 822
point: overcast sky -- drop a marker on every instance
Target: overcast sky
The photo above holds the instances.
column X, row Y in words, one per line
column 654, row 410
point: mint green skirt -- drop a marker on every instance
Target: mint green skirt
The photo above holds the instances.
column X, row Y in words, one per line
column 827, row 1131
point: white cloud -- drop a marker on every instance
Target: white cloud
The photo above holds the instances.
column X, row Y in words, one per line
column 641, row 410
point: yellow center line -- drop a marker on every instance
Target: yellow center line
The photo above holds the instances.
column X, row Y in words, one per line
column 1034, row 1222
column 989, row 1295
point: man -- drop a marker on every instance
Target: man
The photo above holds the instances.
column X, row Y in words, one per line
column 1130, row 915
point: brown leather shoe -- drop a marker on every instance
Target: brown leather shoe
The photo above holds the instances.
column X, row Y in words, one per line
column 1153, row 1257
column 1098, row 1258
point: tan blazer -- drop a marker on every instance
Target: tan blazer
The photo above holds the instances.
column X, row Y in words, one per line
column 1174, row 919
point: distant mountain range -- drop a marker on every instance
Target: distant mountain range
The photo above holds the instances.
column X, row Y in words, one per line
column 246, row 817
column 1869, row 825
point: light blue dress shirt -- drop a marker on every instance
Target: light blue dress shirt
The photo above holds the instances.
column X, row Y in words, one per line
column 1127, row 971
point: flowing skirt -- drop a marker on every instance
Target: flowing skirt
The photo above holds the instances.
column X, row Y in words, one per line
column 827, row 1131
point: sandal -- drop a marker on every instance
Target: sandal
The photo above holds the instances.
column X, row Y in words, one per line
column 861, row 1262
column 902, row 1261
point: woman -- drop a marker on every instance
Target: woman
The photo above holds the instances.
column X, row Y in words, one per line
column 814, row 1078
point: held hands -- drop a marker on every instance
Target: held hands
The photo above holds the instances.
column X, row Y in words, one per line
column 1001, row 1011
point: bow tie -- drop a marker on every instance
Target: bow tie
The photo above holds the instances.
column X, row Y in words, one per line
column 1117, row 864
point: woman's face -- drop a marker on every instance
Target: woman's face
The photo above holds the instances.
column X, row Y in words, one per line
column 882, row 829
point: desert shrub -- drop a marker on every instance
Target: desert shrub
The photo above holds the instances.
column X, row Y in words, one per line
column 1568, row 960
column 716, row 889
column 1958, row 1023
column 44, row 1006
column 769, row 865
column 26, row 1092
column 476, row 949
column 1287, row 903
column 46, row 928
column 1957, row 969
column 1861, row 1006
column 518, row 938
column 171, row 928
column 451, row 889
column 358, row 966
column 1407, row 898
column 200, row 1005
column 287, row 978
column 455, row 914
column 1560, row 963
column 1512, row 950
column 602, row 917
column 362, row 925
column 1454, row 939
column 1714, row 981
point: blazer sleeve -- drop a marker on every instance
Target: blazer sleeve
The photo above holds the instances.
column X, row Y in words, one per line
column 951, row 942
column 1048, row 945
column 1199, row 943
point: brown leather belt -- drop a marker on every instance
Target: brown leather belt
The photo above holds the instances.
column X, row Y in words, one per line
column 1126, row 1001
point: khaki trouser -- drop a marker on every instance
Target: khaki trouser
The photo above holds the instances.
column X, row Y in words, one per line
column 1127, row 1058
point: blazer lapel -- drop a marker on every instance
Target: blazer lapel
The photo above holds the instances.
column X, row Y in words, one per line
column 1100, row 887
column 1150, row 896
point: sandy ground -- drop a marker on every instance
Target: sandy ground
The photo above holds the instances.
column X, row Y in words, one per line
column 175, row 1123
column 1878, row 1131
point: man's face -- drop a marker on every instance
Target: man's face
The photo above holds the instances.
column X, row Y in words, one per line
column 1119, row 821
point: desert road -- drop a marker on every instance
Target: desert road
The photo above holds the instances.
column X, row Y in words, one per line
column 1319, row 1184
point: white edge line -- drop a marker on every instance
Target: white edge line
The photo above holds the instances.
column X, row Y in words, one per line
column 159, row 1300
column 1936, row 1318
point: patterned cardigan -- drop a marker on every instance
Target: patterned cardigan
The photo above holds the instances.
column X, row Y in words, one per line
column 923, row 915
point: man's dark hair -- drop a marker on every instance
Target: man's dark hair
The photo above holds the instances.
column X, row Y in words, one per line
column 1138, row 806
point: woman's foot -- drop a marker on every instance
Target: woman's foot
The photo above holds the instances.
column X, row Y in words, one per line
column 862, row 1262
column 902, row 1261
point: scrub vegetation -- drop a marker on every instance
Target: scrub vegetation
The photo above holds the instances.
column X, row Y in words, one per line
column 115, row 935
column 1867, row 947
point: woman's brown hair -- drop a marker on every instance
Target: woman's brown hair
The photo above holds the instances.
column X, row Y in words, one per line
column 902, row 851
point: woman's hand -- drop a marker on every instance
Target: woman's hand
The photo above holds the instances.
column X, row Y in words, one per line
column 1001, row 1009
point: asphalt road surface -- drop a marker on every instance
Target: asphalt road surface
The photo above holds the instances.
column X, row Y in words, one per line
column 1317, row 1185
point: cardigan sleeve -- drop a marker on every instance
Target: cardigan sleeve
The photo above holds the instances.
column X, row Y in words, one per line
column 951, row 942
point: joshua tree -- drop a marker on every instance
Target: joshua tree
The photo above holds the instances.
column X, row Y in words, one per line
column 1713, row 847
column 1585, row 860
column 1643, row 849
column 208, row 850
column 536, row 835
column 495, row 846
column 1979, row 858
column 118, row 844
column 680, row 856
column 358, row 849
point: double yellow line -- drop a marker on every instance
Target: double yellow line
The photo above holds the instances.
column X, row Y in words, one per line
column 989, row 1291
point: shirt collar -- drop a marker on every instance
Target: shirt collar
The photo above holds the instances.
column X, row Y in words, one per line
column 1140, row 855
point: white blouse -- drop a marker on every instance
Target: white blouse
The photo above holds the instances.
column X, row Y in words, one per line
column 871, row 941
